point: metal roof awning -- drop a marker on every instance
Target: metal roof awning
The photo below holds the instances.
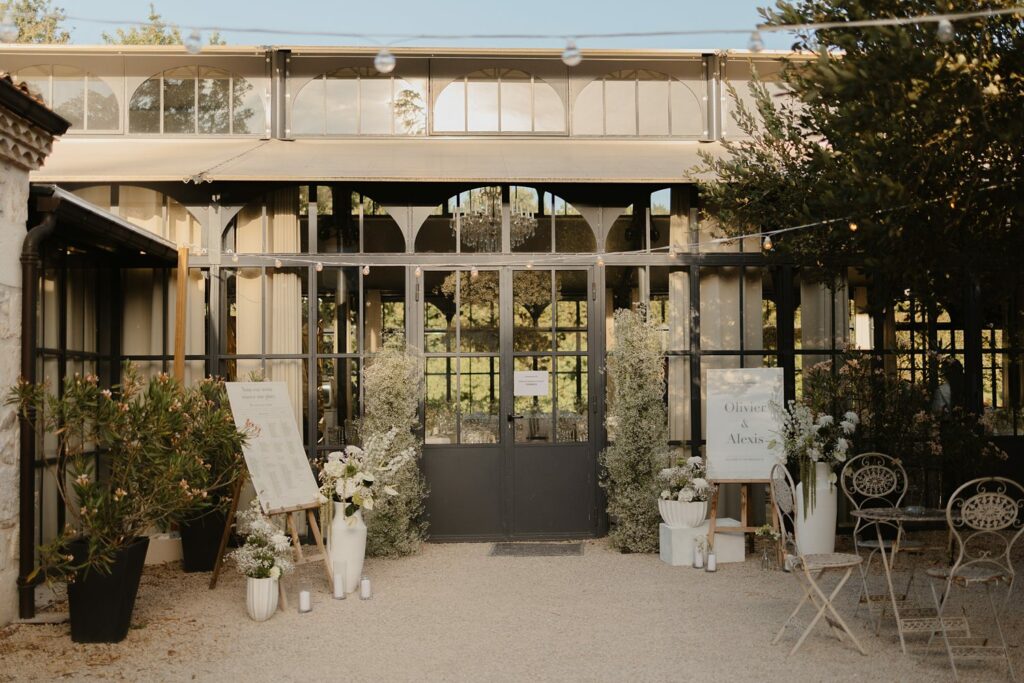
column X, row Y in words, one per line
column 500, row 160
column 84, row 224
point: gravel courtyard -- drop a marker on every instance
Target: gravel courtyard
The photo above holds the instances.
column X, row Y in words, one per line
column 454, row 612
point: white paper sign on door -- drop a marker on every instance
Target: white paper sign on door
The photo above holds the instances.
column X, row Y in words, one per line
column 275, row 456
column 530, row 383
column 741, row 422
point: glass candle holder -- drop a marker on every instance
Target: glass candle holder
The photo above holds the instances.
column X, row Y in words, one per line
column 339, row 587
column 305, row 598
column 712, row 563
column 365, row 592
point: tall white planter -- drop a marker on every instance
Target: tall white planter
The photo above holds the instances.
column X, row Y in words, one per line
column 816, row 532
column 347, row 544
column 260, row 598
column 680, row 515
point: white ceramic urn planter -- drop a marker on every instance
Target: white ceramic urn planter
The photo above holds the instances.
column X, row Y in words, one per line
column 347, row 545
column 260, row 598
column 816, row 533
column 677, row 514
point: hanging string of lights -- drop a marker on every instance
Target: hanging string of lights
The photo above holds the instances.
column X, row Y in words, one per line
column 385, row 60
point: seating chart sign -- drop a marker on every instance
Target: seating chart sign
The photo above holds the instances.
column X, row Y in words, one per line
column 275, row 456
column 741, row 422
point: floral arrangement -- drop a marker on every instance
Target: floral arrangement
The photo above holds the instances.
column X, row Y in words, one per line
column 351, row 476
column 807, row 438
column 767, row 531
column 266, row 551
column 154, row 470
column 687, row 482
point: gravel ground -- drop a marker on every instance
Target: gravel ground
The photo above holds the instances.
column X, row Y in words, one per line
column 453, row 612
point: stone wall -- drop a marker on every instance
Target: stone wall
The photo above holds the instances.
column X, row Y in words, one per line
column 13, row 215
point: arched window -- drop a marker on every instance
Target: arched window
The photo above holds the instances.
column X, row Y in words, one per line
column 638, row 102
column 499, row 101
column 193, row 100
column 360, row 102
column 81, row 98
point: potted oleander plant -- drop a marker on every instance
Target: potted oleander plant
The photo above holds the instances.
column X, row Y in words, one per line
column 211, row 433
column 151, row 475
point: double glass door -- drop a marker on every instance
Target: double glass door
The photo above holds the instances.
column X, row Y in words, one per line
column 508, row 411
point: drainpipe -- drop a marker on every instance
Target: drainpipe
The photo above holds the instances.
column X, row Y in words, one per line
column 31, row 261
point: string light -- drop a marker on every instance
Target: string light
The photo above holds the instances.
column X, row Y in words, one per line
column 571, row 55
column 945, row 32
column 384, row 62
column 600, row 262
column 473, row 273
column 756, row 44
column 529, row 264
column 194, row 42
column 8, row 29
column 319, row 267
column 366, row 270
column 767, row 243
column 853, row 226
column 234, row 258
column 418, row 272
column 277, row 263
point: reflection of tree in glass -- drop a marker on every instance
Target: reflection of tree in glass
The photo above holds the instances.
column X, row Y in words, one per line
column 410, row 113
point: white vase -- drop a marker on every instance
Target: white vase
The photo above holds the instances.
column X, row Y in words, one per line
column 816, row 532
column 347, row 545
column 260, row 598
column 678, row 514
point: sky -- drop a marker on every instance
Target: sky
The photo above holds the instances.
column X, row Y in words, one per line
column 459, row 17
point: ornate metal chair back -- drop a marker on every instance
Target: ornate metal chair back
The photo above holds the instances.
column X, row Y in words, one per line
column 784, row 500
column 873, row 480
column 986, row 517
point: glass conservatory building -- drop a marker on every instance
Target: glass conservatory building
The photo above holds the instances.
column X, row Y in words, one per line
column 495, row 207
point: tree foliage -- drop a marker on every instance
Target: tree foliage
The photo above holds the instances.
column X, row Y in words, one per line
column 156, row 32
column 38, row 21
column 915, row 141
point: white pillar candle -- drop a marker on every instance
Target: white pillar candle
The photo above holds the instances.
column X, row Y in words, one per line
column 712, row 562
column 305, row 601
column 339, row 585
column 698, row 557
column 364, row 588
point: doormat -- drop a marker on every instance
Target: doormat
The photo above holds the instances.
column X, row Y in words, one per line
column 536, row 549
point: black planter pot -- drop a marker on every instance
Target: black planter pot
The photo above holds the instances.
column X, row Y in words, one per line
column 101, row 605
column 200, row 540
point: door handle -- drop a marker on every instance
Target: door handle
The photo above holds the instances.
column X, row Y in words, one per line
column 513, row 417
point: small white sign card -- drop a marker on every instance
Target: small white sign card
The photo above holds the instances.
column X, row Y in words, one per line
column 741, row 422
column 275, row 456
column 530, row 383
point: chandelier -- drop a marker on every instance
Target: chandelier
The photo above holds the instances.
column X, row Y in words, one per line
column 481, row 229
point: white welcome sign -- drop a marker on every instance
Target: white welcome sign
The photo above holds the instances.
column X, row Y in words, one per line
column 741, row 422
column 275, row 456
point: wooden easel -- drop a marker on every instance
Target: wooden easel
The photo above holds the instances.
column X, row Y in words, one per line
column 293, row 532
column 744, row 527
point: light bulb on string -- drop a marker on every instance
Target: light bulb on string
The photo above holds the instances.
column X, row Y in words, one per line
column 194, row 42
column 529, row 264
column 474, row 273
column 234, row 258
column 384, row 62
column 766, row 244
column 945, row 32
column 366, row 270
column 277, row 263
column 418, row 272
column 8, row 29
column 319, row 267
column 756, row 44
column 571, row 55
column 600, row 262
column 853, row 226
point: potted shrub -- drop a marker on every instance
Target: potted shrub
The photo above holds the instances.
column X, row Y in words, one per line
column 684, row 498
column 211, row 433
column 149, row 478
column 263, row 559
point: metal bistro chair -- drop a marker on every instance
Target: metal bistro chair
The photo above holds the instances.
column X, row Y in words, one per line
column 808, row 569
column 986, row 517
column 872, row 480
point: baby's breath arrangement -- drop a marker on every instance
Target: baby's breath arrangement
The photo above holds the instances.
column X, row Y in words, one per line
column 687, row 482
column 266, row 552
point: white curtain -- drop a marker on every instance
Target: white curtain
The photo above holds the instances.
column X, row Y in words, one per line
column 284, row 333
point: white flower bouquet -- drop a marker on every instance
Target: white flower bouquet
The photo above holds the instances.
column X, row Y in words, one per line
column 806, row 439
column 354, row 475
column 687, row 482
column 266, row 553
